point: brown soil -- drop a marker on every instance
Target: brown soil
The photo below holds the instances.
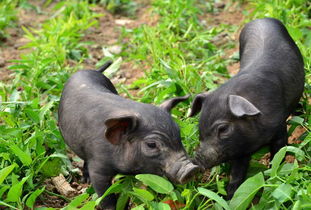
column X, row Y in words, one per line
column 108, row 35
column 10, row 47
column 294, row 138
column 229, row 14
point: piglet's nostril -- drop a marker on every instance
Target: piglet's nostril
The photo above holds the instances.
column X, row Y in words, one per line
column 188, row 173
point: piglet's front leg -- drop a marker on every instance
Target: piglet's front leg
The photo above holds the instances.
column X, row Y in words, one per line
column 237, row 174
column 101, row 181
column 279, row 140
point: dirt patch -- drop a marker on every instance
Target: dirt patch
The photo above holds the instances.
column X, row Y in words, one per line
column 108, row 31
column 230, row 14
column 265, row 159
column 294, row 138
column 108, row 35
column 233, row 68
column 49, row 197
column 10, row 47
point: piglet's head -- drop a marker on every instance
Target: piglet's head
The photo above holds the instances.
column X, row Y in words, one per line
column 148, row 141
column 228, row 127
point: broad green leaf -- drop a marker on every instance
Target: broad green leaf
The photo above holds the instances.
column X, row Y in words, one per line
column 140, row 207
column 24, row 157
column 297, row 205
column 173, row 196
column 3, row 189
column 115, row 188
column 157, row 183
column 146, row 195
column 32, row 198
column 52, row 167
column 14, row 179
column 299, row 154
column 5, row 172
column 286, row 169
column 246, row 192
column 89, row 205
column 282, row 193
column 78, row 200
column 16, row 190
column 213, row 196
column 122, row 201
column 278, row 157
column 160, row 206
column 297, row 120
column 221, row 186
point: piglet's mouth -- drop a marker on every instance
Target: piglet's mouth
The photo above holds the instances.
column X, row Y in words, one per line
column 208, row 159
column 203, row 163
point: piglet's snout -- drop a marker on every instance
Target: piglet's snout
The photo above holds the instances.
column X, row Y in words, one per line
column 188, row 172
column 181, row 170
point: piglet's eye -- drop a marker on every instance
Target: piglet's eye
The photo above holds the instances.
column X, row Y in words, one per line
column 223, row 128
column 224, row 131
column 151, row 145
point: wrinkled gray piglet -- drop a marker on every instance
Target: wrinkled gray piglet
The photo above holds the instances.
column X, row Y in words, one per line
column 114, row 135
column 250, row 110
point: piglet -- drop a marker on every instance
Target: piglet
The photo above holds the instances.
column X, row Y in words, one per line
column 115, row 135
column 250, row 110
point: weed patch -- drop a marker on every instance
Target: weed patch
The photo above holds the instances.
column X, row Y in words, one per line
column 182, row 57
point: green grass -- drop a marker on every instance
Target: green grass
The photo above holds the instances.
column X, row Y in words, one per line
column 31, row 147
column 123, row 7
column 181, row 58
column 7, row 16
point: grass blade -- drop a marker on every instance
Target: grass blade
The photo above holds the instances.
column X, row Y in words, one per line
column 246, row 192
column 16, row 190
column 24, row 157
column 5, row 172
column 32, row 198
column 214, row 196
column 282, row 193
column 277, row 161
column 157, row 183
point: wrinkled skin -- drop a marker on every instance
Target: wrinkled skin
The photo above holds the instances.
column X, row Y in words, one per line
column 250, row 110
column 116, row 135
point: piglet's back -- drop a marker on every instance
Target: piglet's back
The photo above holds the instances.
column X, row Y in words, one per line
column 268, row 51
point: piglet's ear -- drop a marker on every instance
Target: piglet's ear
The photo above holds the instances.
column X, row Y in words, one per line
column 197, row 104
column 118, row 127
column 169, row 104
column 240, row 106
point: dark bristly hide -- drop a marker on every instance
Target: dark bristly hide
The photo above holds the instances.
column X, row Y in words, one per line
column 250, row 110
column 117, row 135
